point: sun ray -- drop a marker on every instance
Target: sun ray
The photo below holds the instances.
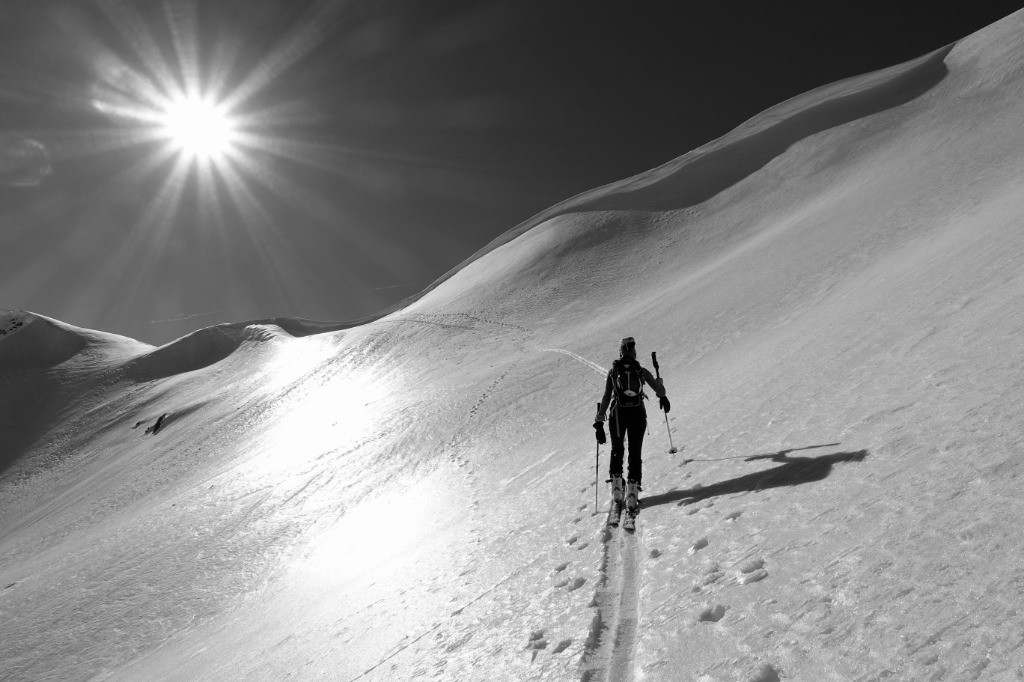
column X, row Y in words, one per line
column 310, row 31
column 222, row 62
column 140, row 39
column 260, row 228
column 181, row 18
column 210, row 203
column 68, row 144
column 137, row 261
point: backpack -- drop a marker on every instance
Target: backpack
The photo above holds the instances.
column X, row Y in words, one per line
column 628, row 383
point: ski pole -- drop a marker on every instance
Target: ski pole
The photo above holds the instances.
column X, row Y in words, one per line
column 657, row 374
column 597, row 465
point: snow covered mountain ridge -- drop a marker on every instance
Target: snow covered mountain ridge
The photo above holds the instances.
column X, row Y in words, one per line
column 833, row 291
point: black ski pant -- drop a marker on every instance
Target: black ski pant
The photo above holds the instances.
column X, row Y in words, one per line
column 627, row 423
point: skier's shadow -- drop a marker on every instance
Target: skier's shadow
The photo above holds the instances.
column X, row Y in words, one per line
column 794, row 471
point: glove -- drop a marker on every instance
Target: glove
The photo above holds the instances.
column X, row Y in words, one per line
column 599, row 432
column 665, row 404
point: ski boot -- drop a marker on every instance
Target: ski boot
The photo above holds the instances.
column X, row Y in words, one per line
column 617, row 490
column 632, row 504
column 617, row 497
column 633, row 497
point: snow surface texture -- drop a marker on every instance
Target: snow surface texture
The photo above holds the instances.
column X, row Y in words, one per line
column 835, row 294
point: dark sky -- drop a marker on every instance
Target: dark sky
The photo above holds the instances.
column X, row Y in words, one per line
column 387, row 140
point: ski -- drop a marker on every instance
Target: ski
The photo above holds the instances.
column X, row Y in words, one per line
column 629, row 522
column 614, row 513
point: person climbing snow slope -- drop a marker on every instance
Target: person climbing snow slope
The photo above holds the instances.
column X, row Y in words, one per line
column 624, row 394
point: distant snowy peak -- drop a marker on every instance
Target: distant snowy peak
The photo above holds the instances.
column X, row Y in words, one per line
column 32, row 341
column 210, row 345
column 11, row 321
column 200, row 349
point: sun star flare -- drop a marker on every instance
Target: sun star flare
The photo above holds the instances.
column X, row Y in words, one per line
column 199, row 128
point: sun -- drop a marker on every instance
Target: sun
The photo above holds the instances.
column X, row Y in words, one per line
column 198, row 128
column 203, row 122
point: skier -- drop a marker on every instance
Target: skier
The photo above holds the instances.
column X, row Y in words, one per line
column 623, row 390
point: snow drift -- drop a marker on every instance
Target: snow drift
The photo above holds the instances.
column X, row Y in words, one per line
column 834, row 293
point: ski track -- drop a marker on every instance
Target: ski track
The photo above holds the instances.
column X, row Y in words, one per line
column 611, row 645
column 579, row 358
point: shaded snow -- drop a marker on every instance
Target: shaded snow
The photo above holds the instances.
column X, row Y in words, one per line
column 839, row 329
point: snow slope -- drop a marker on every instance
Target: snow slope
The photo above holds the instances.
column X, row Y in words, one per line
column 834, row 291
